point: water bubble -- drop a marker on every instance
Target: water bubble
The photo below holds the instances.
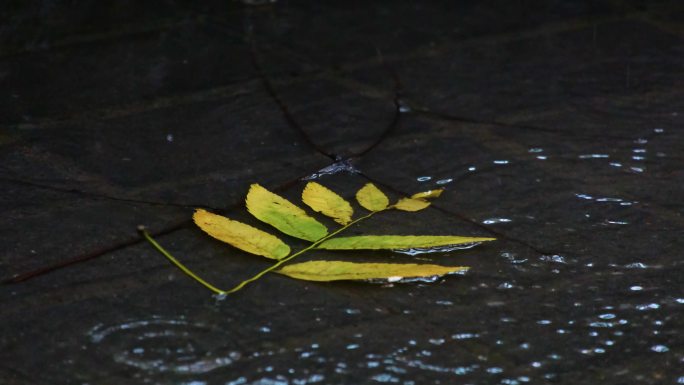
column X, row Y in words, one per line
column 436, row 341
column 437, row 249
column 636, row 288
column 607, row 316
column 542, row 157
column 472, row 168
column 444, row 181
column 423, row 178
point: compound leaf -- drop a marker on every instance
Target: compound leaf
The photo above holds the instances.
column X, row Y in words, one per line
column 283, row 215
column 411, row 204
column 240, row 235
column 428, row 194
column 395, row 242
column 327, row 202
column 371, row 198
column 338, row 270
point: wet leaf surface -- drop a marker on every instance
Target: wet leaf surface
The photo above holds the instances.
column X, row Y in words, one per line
column 553, row 126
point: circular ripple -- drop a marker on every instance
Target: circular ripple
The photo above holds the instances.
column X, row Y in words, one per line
column 165, row 345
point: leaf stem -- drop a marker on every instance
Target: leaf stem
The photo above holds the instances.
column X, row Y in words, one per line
column 178, row 264
column 242, row 284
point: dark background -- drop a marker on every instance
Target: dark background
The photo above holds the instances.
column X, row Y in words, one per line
column 555, row 126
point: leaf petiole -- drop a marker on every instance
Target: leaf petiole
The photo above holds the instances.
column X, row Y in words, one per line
column 178, row 264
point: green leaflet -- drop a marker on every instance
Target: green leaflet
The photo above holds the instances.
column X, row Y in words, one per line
column 337, row 270
column 283, row 215
column 392, row 242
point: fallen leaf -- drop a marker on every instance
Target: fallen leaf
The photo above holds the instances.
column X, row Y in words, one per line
column 338, row 270
column 428, row 194
column 283, row 215
column 411, row 204
column 240, row 235
column 327, row 202
column 392, row 242
column 371, row 198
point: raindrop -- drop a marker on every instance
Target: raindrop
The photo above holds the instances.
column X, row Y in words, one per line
column 660, row 348
column 502, row 161
column 444, row 181
column 658, row 130
column 492, row 221
column 636, row 288
column 593, row 156
column 649, row 306
column 423, row 178
column 636, row 265
column 464, row 336
column 553, row 258
column 536, row 150
column 169, row 137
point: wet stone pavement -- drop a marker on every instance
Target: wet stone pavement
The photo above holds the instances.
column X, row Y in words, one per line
column 555, row 126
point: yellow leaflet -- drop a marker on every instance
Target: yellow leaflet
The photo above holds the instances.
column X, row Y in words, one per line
column 371, row 198
column 428, row 194
column 411, row 204
column 337, row 270
column 392, row 242
column 283, row 215
column 240, row 235
column 327, row 202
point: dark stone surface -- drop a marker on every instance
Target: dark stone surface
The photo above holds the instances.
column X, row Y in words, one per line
column 554, row 126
